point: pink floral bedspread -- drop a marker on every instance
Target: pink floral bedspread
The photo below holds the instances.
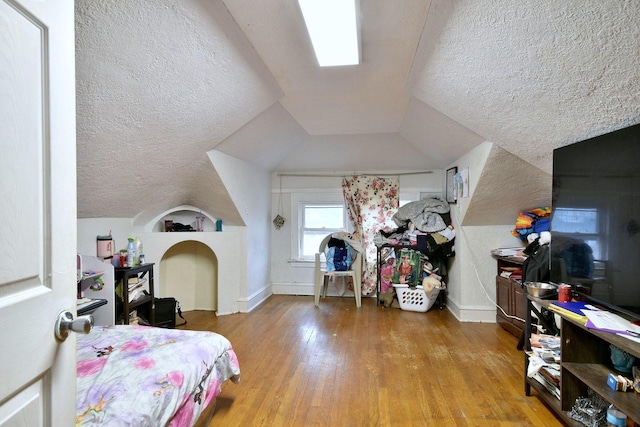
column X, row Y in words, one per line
column 141, row 376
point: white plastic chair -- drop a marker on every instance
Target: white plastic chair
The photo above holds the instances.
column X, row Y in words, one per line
column 323, row 276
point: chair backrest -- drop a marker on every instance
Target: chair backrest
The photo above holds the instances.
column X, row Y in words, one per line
column 323, row 244
column 356, row 265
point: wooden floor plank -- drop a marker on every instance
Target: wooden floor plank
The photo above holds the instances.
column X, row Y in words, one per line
column 336, row 365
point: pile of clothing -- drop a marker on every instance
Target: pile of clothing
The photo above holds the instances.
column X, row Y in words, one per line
column 534, row 220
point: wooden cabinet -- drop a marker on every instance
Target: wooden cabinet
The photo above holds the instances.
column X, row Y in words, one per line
column 585, row 364
column 510, row 296
column 142, row 300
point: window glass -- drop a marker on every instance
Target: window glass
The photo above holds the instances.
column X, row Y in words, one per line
column 577, row 220
column 582, row 224
column 319, row 220
column 323, row 216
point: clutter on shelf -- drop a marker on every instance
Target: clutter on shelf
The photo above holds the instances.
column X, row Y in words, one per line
column 544, row 362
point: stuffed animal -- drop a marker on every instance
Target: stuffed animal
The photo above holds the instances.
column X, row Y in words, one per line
column 386, row 298
column 429, row 283
column 431, row 280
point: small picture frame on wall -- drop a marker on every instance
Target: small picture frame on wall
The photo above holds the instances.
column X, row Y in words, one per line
column 451, row 184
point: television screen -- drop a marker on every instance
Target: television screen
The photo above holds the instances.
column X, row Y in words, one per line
column 595, row 221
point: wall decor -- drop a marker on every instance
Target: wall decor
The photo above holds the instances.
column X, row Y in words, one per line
column 451, row 184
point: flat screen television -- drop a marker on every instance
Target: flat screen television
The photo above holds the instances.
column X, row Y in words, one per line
column 595, row 221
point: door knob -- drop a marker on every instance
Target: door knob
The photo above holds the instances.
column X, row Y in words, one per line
column 66, row 323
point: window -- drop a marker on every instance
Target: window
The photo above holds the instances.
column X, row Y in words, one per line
column 580, row 223
column 317, row 219
column 315, row 213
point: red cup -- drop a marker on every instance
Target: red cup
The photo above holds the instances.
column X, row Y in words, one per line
column 564, row 293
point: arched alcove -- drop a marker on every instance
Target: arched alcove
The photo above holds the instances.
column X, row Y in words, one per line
column 221, row 251
column 189, row 273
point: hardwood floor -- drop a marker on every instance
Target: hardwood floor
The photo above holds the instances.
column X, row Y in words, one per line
column 339, row 366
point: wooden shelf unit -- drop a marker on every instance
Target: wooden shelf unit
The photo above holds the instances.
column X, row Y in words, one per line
column 585, row 364
column 145, row 302
column 510, row 296
column 95, row 282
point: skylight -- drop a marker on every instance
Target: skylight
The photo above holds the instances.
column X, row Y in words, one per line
column 333, row 29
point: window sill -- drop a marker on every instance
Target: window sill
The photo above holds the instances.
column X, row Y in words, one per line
column 303, row 263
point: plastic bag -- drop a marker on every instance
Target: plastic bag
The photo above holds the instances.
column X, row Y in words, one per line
column 339, row 259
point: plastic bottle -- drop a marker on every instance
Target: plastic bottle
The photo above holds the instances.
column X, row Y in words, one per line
column 139, row 251
column 131, row 253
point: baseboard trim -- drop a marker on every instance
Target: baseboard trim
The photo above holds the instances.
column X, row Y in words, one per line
column 245, row 305
column 304, row 289
column 477, row 314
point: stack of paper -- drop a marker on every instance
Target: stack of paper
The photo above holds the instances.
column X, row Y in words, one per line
column 506, row 251
column 603, row 320
column 544, row 359
column 136, row 288
column 594, row 318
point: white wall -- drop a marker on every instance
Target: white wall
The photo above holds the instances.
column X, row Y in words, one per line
column 242, row 251
column 249, row 187
column 472, row 277
column 226, row 245
column 471, row 287
column 90, row 228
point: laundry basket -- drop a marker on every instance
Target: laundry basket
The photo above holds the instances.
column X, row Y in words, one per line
column 415, row 299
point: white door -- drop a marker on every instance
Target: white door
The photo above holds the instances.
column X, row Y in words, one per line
column 37, row 211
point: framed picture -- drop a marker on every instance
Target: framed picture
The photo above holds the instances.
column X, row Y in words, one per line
column 451, row 184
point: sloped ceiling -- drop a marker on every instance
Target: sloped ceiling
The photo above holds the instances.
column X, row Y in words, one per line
column 532, row 75
column 160, row 83
column 501, row 192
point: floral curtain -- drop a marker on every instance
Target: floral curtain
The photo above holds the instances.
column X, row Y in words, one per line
column 371, row 202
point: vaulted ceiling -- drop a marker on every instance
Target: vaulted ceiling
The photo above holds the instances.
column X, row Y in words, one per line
column 162, row 82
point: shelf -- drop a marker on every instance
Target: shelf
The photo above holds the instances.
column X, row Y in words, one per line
column 90, row 306
column 139, row 301
column 142, row 273
column 553, row 403
column 622, row 343
column 586, row 364
column 91, row 275
column 594, row 376
column 95, row 282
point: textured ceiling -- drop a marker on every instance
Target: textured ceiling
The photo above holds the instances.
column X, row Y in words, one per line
column 160, row 83
column 532, row 75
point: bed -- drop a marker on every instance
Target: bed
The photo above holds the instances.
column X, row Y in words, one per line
column 145, row 376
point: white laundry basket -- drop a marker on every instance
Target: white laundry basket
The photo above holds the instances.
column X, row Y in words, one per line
column 415, row 299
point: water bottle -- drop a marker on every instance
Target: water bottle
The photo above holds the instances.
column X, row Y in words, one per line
column 131, row 253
